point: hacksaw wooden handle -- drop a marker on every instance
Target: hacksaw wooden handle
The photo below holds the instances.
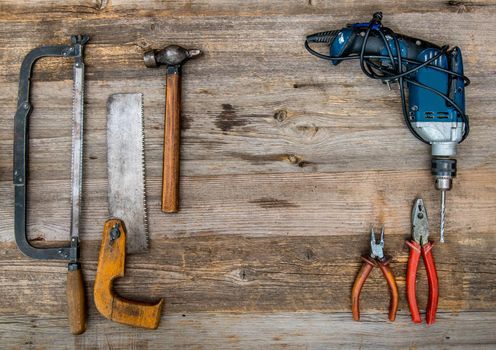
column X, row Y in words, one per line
column 76, row 303
column 111, row 265
column 172, row 142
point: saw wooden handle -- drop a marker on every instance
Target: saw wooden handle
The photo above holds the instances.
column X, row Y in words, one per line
column 172, row 142
column 76, row 303
column 111, row 265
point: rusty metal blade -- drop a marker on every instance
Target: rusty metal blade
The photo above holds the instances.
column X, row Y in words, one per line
column 125, row 166
column 77, row 153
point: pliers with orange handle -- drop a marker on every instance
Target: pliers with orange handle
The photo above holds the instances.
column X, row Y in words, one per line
column 376, row 258
column 420, row 245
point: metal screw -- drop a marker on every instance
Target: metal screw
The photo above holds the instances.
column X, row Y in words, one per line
column 67, row 51
column 418, row 43
column 25, row 105
column 115, row 233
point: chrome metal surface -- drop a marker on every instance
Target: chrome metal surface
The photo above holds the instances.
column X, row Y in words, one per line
column 376, row 249
column 420, row 222
column 443, row 216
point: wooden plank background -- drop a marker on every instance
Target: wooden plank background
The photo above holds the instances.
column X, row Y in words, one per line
column 286, row 162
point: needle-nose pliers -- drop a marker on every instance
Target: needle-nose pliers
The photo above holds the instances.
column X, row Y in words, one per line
column 420, row 245
column 376, row 258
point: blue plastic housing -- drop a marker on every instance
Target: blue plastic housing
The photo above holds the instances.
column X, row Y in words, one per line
column 426, row 106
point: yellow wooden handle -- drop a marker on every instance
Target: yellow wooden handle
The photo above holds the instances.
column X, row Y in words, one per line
column 111, row 265
column 76, row 304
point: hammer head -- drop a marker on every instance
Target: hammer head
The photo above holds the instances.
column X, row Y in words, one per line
column 171, row 55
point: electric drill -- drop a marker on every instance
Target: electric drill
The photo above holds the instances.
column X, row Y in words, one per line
column 434, row 111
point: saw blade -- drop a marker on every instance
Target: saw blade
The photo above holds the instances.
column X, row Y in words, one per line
column 77, row 151
column 125, row 166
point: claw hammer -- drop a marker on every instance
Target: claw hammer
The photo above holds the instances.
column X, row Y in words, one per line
column 173, row 57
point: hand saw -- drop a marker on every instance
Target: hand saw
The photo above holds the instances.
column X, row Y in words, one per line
column 127, row 229
column 75, row 288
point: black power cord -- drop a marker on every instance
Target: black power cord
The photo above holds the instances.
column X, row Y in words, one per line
column 396, row 73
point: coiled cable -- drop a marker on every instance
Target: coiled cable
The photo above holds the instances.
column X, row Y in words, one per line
column 396, row 72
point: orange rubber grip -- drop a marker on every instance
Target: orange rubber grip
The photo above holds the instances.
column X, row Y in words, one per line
column 393, row 287
column 367, row 267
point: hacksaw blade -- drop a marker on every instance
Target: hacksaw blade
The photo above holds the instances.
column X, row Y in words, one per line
column 77, row 146
column 125, row 166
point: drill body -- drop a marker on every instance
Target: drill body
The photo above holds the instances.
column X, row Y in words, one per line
column 435, row 110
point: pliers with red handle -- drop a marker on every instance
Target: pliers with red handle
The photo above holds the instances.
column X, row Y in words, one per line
column 420, row 245
column 376, row 258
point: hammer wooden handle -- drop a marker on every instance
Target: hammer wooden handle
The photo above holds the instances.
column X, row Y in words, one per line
column 172, row 141
column 76, row 305
column 111, row 265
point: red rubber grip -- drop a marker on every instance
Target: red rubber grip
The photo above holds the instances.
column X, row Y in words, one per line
column 367, row 266
column 430, row 267
column 411, row 280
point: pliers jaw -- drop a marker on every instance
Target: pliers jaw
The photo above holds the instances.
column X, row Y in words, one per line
column 376, row 249
column 420, row 223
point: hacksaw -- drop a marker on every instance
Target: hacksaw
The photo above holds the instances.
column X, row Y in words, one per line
column 75, row 288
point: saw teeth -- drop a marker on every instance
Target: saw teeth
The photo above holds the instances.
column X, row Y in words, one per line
column 145, row 219
column 77, row 99
column 124, row 137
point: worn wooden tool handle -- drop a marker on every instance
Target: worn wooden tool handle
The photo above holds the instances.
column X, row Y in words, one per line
column 111, row 265
column 172, row 142
column 76, row 301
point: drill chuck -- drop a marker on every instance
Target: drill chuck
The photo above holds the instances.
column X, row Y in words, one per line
column 444, row 170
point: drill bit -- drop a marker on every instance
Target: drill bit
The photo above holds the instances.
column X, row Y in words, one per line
column 443, row 215
column 445, row 170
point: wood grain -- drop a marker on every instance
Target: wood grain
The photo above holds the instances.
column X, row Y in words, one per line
column 76, row 302
column 313, row 330
column 172, row 144
column 111, row 265
column 285, row 164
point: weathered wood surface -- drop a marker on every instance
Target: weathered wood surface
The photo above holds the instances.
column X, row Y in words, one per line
column 302, row 330
column 285, row 164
